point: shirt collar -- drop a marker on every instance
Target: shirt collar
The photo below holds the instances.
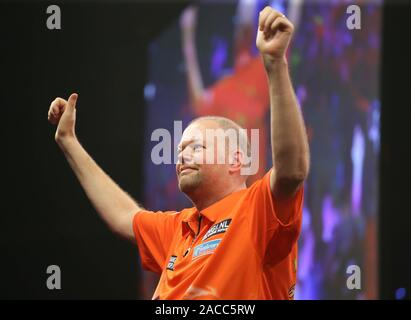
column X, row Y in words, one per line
column 212, row 212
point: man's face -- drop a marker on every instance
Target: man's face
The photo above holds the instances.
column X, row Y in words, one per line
column 195, row 148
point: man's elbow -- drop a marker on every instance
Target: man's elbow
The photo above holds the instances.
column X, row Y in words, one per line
column 293, row 170
column 301, row 172
column 289, row 184
column 289, row 179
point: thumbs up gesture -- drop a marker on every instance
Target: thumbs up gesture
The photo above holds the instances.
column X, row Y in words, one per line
column 63, row 114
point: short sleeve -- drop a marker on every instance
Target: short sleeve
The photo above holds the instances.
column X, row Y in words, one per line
column 272, row 237
column 154, row 232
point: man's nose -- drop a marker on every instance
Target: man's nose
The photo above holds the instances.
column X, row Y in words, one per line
column 185, row 156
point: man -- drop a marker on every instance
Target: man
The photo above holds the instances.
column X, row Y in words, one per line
column 235, row 242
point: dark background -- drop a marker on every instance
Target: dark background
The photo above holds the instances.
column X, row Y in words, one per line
column 101, row 53
column 395, row 161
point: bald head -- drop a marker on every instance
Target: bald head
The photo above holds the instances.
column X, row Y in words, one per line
column 227, row 125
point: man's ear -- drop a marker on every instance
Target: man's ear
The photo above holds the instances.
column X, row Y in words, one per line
column 236, row 161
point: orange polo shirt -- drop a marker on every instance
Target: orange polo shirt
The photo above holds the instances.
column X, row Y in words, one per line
column 238, row 249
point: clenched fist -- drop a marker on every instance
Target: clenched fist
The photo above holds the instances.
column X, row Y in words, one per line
column 63, row 114
column 274, row 34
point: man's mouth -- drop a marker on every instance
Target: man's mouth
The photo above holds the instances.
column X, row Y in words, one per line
column 187, row 170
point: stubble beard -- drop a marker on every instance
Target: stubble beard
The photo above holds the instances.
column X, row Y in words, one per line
column 189, row 183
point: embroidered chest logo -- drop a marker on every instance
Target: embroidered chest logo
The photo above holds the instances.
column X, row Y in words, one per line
column 219, row 227
column 170, row 265
column 206, row 248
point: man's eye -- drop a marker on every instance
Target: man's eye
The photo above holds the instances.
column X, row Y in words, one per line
column 197, row 147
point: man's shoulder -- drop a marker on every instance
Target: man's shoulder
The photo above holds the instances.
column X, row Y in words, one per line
column 167, row 214
column 173, row 214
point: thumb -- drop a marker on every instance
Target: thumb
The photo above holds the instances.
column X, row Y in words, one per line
column 72, row 100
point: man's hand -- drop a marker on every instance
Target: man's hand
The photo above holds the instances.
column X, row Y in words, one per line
column 273, row 35
column 188, row 19
column 63, row 114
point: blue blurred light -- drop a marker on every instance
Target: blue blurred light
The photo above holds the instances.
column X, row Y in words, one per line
column 149, row 91
column 400, row 293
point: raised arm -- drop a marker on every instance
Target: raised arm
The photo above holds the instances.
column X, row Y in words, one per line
column 194, row 79
column 289, row 143
column 113, row 205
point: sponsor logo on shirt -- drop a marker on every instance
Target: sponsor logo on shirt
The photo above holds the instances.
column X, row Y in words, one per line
column 170, row 265
column 219, row 227
column 206, row 248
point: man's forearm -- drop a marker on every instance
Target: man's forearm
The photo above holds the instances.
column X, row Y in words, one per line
column 188, row 23
column 288, row 135
column 111, row 202
column 194, row 80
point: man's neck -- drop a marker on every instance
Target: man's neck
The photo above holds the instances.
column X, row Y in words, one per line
column 202, row 202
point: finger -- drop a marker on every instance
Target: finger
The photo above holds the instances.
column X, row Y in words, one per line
column 72, row 102
column 270, row 19
column 52, row 118
column 56, row 105
column 282, row 24
column 56, row 109
column 263, row 16
column 59, row 101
